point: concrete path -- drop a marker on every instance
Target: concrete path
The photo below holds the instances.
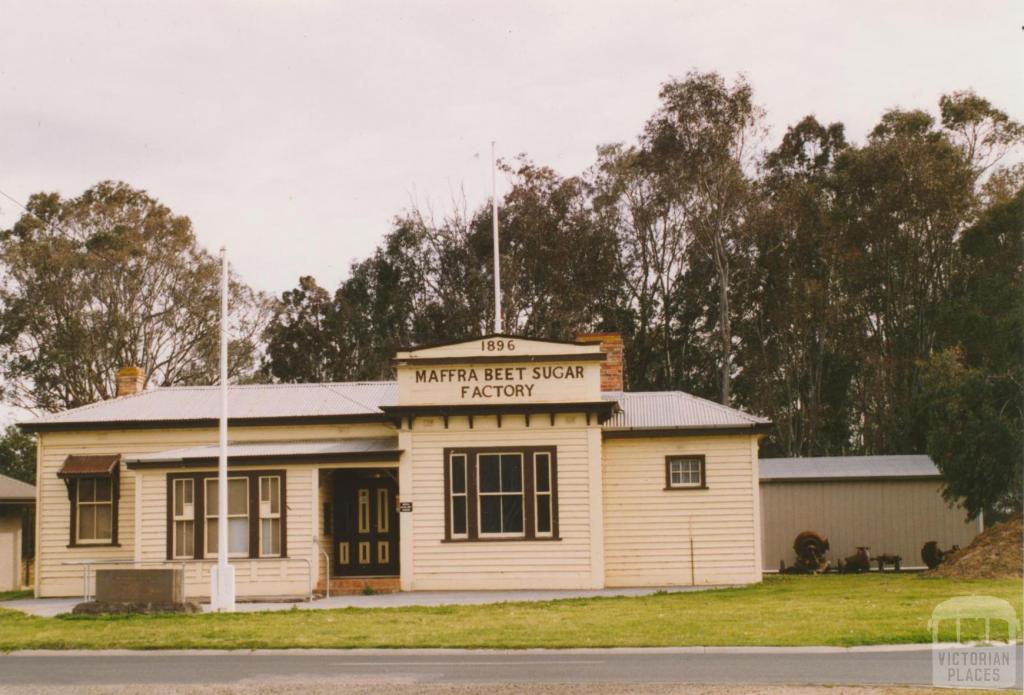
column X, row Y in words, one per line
column 449, row 598
column 49, row 607
column 888, row 666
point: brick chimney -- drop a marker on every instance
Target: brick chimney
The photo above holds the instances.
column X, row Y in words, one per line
column 130, row 380
column 611, row 369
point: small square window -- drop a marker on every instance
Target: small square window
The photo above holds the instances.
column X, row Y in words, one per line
column 684, row 472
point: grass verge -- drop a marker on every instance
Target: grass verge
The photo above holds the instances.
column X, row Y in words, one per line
column 784, row 611
column 14, row 595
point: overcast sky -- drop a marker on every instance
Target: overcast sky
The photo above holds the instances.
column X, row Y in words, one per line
column 293, row 132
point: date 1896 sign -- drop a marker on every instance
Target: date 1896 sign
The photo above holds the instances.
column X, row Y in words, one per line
column 499, row 369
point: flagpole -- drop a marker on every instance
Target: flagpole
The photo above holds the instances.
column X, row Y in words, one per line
column 222, row 595
column 497, row 248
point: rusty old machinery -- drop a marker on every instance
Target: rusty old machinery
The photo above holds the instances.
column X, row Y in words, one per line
column 860, row 561
column 811, row 548
column 933, row 556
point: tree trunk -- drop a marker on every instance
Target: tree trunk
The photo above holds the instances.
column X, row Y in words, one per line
column 726, row 334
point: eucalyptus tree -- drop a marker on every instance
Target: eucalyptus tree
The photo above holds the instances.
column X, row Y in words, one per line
column 799, row 352
column 109, row 279
column 559, row 265
column 650, row 232
column 301, row 343
column 431, row 279
column 681, row 196
column 972, row 395
column 18, row 454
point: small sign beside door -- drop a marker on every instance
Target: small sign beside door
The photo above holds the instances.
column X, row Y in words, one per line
column 405, row 506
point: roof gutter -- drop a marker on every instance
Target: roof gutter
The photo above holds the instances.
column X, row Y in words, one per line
column 648, row 432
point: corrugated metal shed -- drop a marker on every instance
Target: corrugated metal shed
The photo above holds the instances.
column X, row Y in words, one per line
column 890, row 504
column 674, row 410
column 12, row 490
column 271, row 449
column 848, row 467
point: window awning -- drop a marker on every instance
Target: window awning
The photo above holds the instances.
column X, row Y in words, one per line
column 89, row 466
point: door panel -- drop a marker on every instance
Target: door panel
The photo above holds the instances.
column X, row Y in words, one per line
column 365, row 524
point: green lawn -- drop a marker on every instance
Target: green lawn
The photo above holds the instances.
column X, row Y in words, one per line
column 827, row 610
column 12, row 595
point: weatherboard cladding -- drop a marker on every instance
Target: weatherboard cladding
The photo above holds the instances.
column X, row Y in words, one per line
column 636, row 411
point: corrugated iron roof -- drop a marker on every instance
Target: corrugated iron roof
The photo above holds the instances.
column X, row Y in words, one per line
column 645, row 410
column 848, row 467
column 12, row 490
column 271, row 449
column 102, row 464
column 247, row 401
column 673, row 410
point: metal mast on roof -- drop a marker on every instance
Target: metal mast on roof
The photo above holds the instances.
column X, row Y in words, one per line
column 497, row 265
column 222, row 581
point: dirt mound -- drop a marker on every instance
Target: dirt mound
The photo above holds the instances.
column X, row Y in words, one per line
column 996, row 552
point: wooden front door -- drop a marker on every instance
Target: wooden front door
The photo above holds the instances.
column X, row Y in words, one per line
column 365, row 524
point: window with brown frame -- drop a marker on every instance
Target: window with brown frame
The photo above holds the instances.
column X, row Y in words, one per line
column 685, row 472
column 257, row 515
column 94, row 505
column 501, row 493
column 184, row 518
column 94, row 511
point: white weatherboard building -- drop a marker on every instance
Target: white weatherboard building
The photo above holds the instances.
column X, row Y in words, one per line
column 494, row 463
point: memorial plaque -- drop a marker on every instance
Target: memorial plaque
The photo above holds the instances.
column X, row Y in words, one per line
column 139, row 586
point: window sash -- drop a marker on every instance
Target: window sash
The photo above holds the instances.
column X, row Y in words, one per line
column 270, row 516
column 259, row 508
column 183, row 526
column 501, row 502
column 94, row 502
column 543, row 508
column 501, row 495
column 685, row 472
column 211, row 499
column 458, row 496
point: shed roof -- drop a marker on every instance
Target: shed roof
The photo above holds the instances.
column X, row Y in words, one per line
column 848, row 467
column 12, row 490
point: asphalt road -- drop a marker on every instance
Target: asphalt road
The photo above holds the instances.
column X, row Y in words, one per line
column 900, row 667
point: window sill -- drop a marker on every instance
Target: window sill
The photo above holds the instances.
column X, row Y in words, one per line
column 544, row 539
column 94, row 545
column 230, row 559
column 681, row 487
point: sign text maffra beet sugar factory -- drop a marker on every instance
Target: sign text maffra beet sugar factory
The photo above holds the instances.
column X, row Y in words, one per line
column 498, row 382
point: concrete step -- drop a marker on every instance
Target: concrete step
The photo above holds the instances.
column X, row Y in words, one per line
column 360, row 585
